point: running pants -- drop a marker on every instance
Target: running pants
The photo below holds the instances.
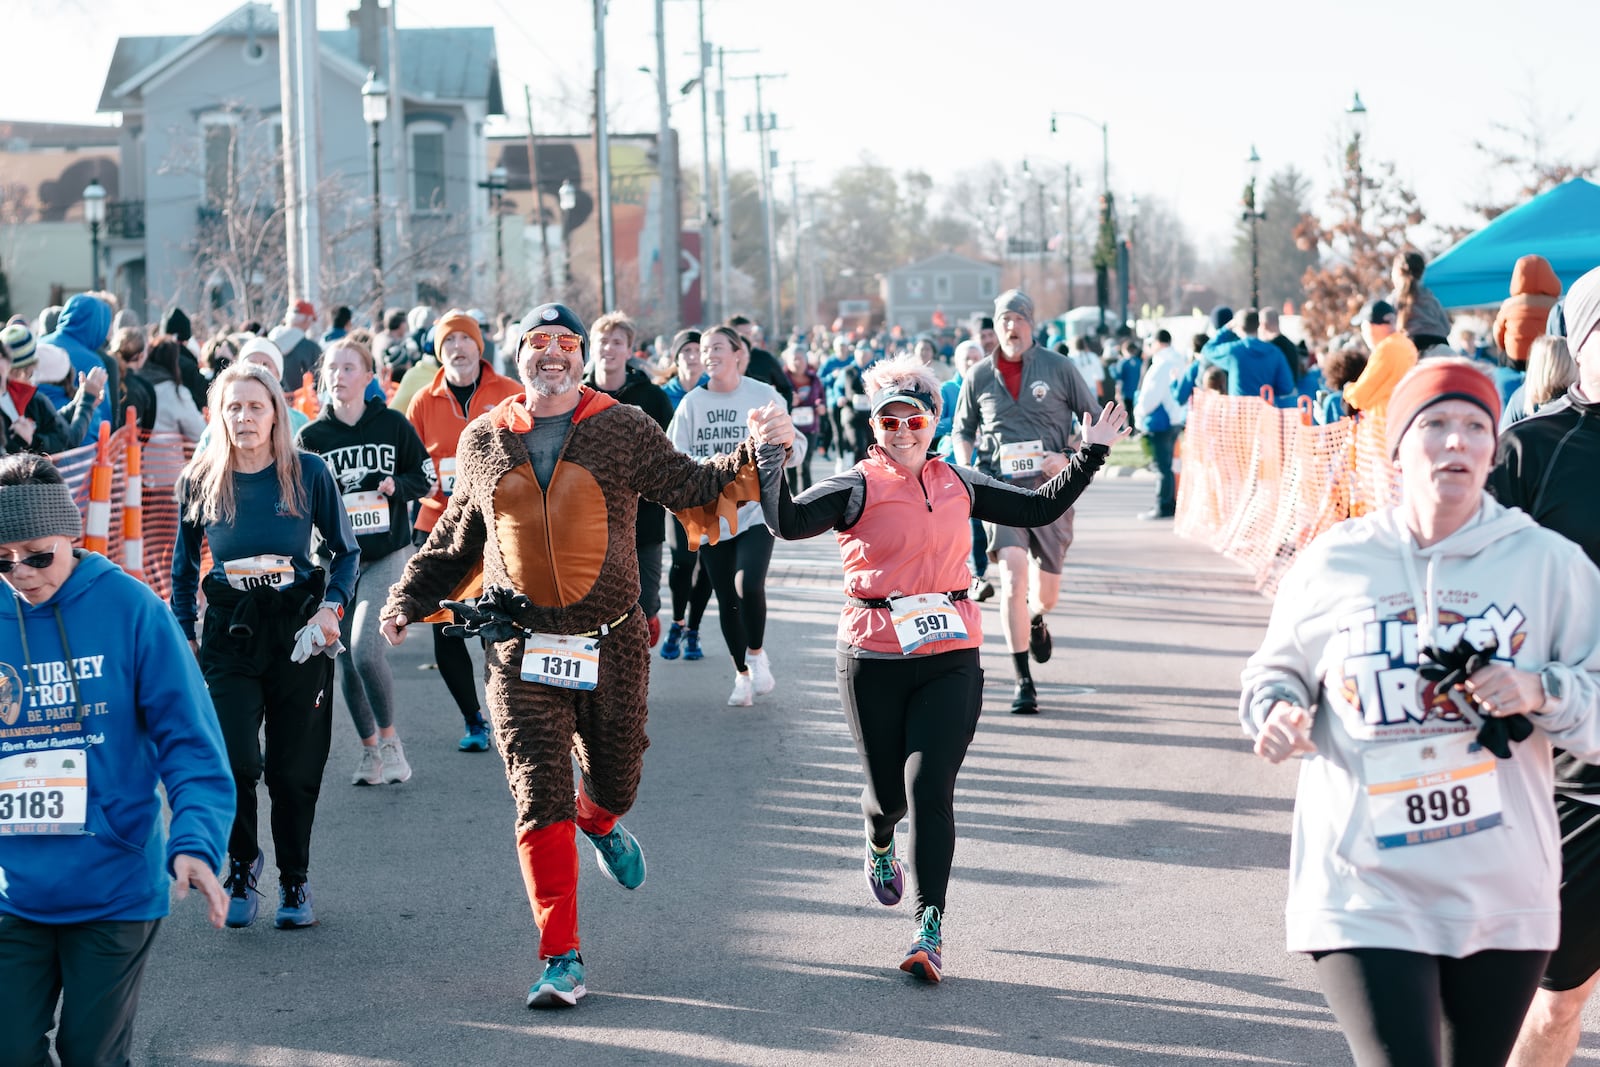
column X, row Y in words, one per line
column 738, row 569
column 455, row 667
column 912, row 719
column 1408, row 1009
column 364, row 675
column 688, row 580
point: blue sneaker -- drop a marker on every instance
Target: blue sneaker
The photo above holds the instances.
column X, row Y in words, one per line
column 561, row 984
column 885, row 876
column 620, row 856
column 294, row 907
column 923, row 960
column 691, row 645
column 244, row 902
column 476, row 738
column 673, row 645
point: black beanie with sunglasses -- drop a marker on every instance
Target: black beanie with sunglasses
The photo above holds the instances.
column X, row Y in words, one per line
column 547, row 315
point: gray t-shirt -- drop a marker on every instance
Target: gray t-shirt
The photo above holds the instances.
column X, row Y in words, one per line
column 545, row 441
column 1053, row 393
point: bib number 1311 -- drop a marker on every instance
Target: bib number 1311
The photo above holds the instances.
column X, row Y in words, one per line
column 562, row 661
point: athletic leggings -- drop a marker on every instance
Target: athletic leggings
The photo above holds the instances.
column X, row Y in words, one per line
column 1410, row 1009
column 738, row 569
column 688, row 580
column 364, row 675
column 800, row 476
column 455, row 667
column 980, row 549
column 912, row 719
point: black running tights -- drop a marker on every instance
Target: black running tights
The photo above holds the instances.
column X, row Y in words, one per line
column 1408, row 1009
column 912, row 719
column 455, row 667
column 688, row 580
column 738, row 569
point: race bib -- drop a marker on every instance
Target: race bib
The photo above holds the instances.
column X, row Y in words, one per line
column 447, row 475
column 925, row 617
column 368, row 512
column 1022, row 459
column 804, row 418
column 44, row 792
column 861, row 402
column 1431, row 790
column 259, row 572
column 562, row 661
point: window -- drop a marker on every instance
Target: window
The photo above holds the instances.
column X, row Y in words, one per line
column 941, row 287
column 219, row 138
column 427, row 166
column 986, row 285
column 915, row 286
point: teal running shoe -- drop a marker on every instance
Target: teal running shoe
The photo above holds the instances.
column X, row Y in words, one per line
column 885, row 875
column 561, row 984
column 672, row 647
column 294, row 907
column 244, row 902
column 691, row 645
column 924, row 958
column 476, row 738
column 619, row 856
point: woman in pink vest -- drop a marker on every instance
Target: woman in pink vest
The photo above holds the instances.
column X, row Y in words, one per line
column 909, row 672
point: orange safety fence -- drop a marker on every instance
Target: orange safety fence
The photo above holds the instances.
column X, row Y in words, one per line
column 1260, row 482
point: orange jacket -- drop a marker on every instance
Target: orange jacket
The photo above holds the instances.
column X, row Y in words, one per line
column 439, row 420
column 1390, row 359
column 1534, row 291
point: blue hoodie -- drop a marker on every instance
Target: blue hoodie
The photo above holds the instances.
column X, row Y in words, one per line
column 84, row 325
column 146, row 720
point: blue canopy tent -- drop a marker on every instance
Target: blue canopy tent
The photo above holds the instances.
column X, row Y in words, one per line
column 1562, row 225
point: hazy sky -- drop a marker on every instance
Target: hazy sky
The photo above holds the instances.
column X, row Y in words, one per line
column 1186, row 87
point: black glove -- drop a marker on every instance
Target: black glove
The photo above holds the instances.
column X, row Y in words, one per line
column 493, row 616
column 1450, row 669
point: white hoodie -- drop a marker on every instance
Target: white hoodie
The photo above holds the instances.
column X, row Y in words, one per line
column 1343, row 641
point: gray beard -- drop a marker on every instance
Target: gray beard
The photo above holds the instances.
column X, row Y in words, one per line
column 539, row 387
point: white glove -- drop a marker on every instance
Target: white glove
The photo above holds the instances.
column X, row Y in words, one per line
column 310, row 641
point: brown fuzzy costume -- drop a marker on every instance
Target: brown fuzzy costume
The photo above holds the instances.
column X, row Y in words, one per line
column 571, row 549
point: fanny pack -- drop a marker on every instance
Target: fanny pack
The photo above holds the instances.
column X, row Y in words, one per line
column 883, row 602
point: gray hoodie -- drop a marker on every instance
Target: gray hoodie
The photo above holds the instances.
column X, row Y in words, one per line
column 1406, row 834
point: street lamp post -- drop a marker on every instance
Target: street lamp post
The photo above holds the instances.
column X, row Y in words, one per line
column 1125, row 260
column 375, row 109
column 566, row 199
column 1254, row 218
column 1102, row 284
column 1356, row 119
column 94, row 213
column 496, row 184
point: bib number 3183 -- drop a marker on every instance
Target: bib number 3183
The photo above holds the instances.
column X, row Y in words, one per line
column 44, row 792
column 562, row 661
column 925, row 617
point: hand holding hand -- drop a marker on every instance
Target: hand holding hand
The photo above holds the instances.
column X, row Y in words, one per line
column 1111, row 427
column 192, row 871
column 771, row 425
column 1287, row 733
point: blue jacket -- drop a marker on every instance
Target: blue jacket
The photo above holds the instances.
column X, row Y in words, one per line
column 949, row 393
column 1252, row 363
column 829, row 373
column 1185, row 386
column 676, row 392
column 146, row 719
column 84, row 326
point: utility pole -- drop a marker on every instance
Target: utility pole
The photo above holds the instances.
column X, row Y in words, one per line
column 1072, row 290
column 764, row 124
column 602, row 151
column 399, row 149
column 803, row 309
column 724, row 234
column 538, row 195
column 671, row 202
column 706, row 288
column 299, row 57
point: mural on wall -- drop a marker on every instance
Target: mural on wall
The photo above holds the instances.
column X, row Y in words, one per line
column 48, row 183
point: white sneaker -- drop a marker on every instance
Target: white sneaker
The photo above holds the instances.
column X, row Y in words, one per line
column 395, row 767
column 743, row 694
column 370, row 770
column 761, row 673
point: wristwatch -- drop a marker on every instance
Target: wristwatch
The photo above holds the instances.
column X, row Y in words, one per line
column 1554, row 688
column 335, row 607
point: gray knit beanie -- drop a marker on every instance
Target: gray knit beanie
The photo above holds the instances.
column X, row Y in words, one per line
column 1014, row 300
column 34, row 510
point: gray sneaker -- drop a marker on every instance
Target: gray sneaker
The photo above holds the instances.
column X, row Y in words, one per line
column 370, row 770
column 395, row 767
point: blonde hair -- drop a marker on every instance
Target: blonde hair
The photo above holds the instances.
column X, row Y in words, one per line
column 355, row 345
column 1551, row 371
column 205, row 490
column 904, row 372
column 614, row 320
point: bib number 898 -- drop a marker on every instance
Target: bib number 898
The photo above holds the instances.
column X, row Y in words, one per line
column 1436, row 806
column 32, row 804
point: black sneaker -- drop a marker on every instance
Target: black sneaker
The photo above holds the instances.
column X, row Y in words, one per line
column 1025, row 701
column 982, row 589
column 1039, row 643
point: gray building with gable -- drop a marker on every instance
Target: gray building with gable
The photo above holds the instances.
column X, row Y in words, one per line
column 947, row 284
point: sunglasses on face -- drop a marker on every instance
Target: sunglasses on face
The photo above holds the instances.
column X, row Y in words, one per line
column 39, row 561
column 892, row 424
column 567, row 342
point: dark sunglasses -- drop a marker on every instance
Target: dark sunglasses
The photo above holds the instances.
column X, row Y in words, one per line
column 39, row 561
column 567, row 342
column 892, row 424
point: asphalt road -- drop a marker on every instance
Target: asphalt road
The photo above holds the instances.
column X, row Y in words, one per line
column 1116, row 899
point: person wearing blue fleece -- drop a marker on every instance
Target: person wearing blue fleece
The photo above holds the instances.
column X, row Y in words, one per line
column 92, row 719
column 85, row 326
column 272, row 621
column 1221, row 323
